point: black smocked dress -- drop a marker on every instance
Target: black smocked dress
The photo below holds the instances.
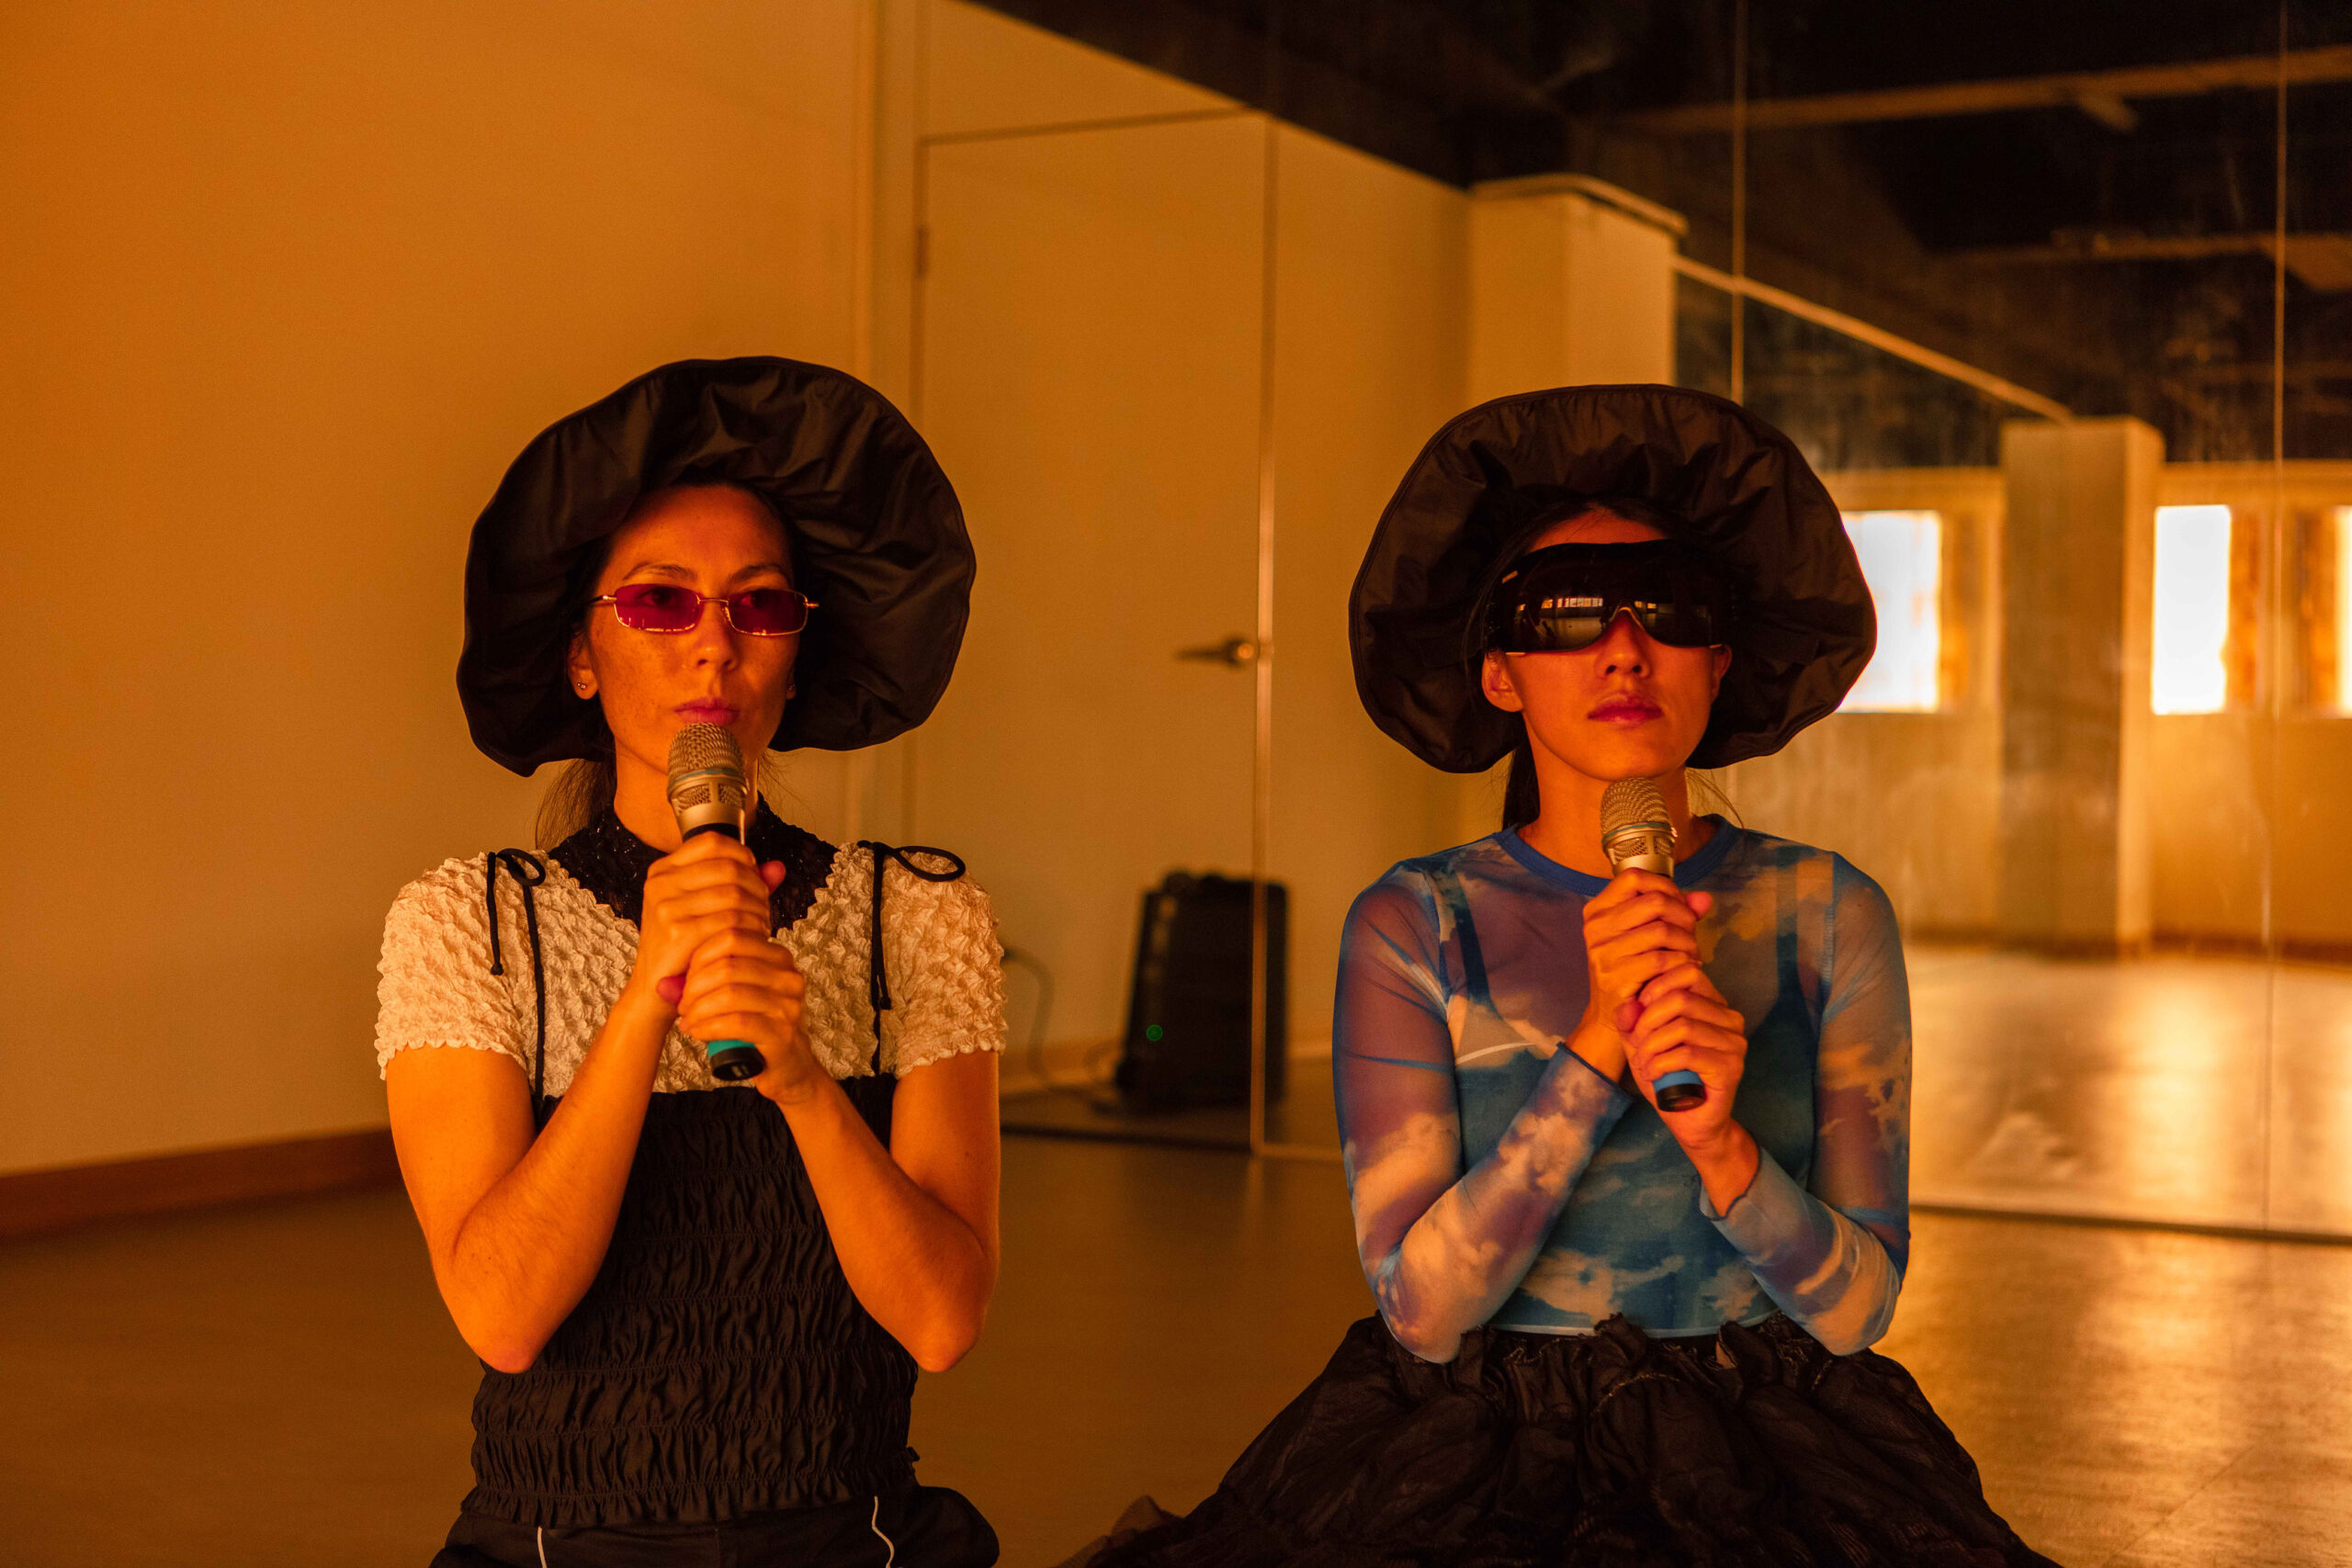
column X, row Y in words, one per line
column 719, row 1395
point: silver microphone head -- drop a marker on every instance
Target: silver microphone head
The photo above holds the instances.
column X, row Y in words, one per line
column 1634, row 828
column 707, row 787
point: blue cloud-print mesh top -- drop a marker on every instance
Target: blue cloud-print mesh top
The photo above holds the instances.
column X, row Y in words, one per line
column 1496, row 1178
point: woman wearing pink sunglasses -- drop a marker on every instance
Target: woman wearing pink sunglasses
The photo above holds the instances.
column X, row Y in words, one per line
column 701, row 1304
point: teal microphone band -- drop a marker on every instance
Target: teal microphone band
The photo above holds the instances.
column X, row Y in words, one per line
column 1679, row 1090
column 732, row 1061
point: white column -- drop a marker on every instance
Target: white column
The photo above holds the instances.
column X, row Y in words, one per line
column 1571, row 283
column 2078, row 575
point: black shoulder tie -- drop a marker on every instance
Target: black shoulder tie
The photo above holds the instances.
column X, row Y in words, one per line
column 528, row 871
column 877, row 984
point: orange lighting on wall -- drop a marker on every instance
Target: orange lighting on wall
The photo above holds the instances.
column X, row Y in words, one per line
column 2343, row 541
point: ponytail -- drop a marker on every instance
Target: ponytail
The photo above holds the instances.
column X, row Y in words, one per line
column 1523, row 802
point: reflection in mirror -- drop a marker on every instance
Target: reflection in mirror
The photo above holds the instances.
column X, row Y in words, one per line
column 2193, row 619
column 2059, row 313
column 2077, row 376
column 1902, row 557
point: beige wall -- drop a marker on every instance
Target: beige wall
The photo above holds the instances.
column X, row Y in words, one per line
column 1369, row 361
column 294, row 284
column 300, row 283
column 289, row 285
column 984, row 73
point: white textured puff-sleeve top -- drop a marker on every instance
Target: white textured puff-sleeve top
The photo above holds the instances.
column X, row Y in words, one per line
column 452, row 979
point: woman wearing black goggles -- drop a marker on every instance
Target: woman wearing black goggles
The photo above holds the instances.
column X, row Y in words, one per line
column 1563, row 596
column 1654, row 620
column 1611, row 1329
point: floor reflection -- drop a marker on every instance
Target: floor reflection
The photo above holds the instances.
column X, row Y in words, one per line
column 2197, row 1090
column 2179, row 1089
column 1088, row 1107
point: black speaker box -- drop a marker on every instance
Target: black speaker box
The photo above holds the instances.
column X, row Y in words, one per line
column 1188, row 1010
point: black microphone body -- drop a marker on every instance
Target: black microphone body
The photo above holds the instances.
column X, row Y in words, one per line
column 708, row 795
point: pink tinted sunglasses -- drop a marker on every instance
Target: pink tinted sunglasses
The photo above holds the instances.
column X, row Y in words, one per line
column 666, row 607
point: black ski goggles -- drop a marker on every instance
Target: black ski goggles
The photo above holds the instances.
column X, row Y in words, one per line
column 1564, row 597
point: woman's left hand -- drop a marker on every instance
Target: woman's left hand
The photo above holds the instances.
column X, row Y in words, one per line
column 1685, row 1026
column 741, row 985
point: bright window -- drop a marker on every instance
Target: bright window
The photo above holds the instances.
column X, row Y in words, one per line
column 1903, row 560
column 2192, row 618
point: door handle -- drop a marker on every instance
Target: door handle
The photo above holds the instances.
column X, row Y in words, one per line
column 1234, row 652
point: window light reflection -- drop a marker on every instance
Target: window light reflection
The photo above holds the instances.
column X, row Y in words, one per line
column 2192, row 610
column 1902, row 557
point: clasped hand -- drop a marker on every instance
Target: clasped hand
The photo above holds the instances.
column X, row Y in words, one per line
column 704, row 950
column 1651, row 1008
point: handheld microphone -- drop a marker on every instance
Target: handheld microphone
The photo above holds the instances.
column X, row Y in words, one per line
column 1637, row 833
column 707, row 792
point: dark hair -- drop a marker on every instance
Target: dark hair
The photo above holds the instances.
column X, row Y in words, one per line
column 582, row 793
column 587, row 786
column 1523, row 801
column 1522, row 798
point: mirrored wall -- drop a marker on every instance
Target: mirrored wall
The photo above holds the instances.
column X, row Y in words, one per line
column 2063, row 320
column 2084, row 407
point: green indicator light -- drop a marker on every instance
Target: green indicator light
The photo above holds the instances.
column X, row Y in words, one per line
column 1151, row 1032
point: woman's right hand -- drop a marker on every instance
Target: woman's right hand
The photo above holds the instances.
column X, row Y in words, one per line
column 705, row 887
column 1638, row 928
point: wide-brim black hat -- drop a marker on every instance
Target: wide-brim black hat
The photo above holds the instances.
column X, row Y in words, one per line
column 1735, row 486
column 878, row 541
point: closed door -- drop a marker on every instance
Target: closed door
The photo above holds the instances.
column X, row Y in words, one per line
column 1090, row 343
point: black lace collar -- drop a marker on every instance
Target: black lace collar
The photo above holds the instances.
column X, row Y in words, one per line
column 611, row 862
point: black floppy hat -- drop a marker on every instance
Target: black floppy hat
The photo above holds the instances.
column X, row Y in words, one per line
column 878, row 541
column 1736, row 488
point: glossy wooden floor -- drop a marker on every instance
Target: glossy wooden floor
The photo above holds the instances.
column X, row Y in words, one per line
column 2204, row 1089
column 278, row 1385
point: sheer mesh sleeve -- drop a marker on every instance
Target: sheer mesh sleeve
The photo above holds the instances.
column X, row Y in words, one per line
column 1442, row 1249
column 1833, row 1257
column 945, row 971
column 435, row 987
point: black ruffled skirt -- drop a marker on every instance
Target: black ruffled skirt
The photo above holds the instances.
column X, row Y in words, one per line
column 916, row 1527
column 1600, row 1450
